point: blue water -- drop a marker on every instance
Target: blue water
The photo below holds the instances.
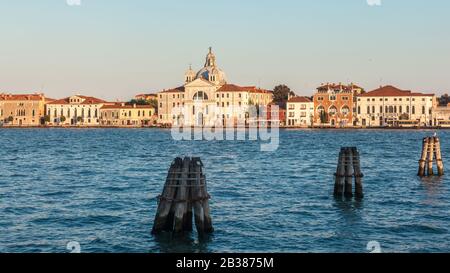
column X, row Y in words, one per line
column 98, row 187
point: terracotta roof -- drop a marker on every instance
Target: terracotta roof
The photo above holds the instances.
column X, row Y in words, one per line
column 299, row 99
column 87, row 100
column 236, row 88
column 333, row 86
column 126, row 106
column 174, row 90
column 391, row 91
column 15, row 97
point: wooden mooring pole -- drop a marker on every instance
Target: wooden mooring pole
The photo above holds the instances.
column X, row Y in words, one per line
column 184, row 195
column 349, row 167
column 431, row 152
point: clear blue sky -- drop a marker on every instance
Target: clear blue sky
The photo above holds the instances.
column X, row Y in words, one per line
column 114, row 49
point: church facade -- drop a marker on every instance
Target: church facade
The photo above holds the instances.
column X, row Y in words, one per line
column 207, row 99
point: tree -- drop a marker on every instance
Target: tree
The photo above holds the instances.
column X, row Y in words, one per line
column 444, row 100
column 139, row 102
column 404, row 116
column 281, row 94
column 62, row 119
column 154, row 103
column 79, row 119
column 47, row 118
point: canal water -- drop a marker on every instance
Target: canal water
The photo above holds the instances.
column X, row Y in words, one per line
column 97, row 187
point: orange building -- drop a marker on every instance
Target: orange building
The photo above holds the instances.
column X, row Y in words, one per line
column 334, row 105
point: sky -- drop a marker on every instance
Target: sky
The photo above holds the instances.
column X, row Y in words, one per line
column 115, row 49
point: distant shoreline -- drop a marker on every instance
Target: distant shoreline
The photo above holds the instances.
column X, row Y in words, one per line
column 281, row 127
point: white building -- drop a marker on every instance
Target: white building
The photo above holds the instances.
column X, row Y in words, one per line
column 300, row 112
column 75, row 110
column 390, row 106
column 441, row 116
column 206, row 98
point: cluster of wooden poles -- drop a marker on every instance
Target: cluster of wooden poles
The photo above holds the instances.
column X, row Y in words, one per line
column 185, row 193
column 184, row 196
column 431, row 152
column 349, row 167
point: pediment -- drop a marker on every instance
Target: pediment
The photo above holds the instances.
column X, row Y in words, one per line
column 199, row 83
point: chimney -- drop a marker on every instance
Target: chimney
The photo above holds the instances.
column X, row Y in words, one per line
column 134, row 105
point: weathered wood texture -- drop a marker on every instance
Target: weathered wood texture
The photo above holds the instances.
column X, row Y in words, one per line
column 431, row 152
column 184, row 195
column 349, row 167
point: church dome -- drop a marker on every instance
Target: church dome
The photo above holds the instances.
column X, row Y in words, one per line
column 210, row 71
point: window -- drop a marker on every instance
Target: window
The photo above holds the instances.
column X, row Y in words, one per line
column 345, row 110
column 291, row 107
column 200, row 95
column 413, row 110
column 368, row 109
column 423, row 110
column 332, row 111
column 373, row 109
column 359, row 110
column 381, row 109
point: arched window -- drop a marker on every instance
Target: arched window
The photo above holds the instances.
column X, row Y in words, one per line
column 320, row 109
column 332, row 111
column 200, row 96
column 345, row 110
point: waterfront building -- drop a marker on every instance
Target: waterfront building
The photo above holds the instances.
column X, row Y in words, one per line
column 300, row 112
column 390, row 106
column 276, row 114
column 23, row 109
column 206, row 98
column 441, row 116
column 334, row 105
column 123, row 115
column 76, row 110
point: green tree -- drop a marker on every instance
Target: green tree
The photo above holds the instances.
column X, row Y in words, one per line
column 139, row 102
column 281, row 95
column 79, row 119
column 154, row 103
column 404, row 116
column 47, row 118
column 62, row 119
column 444, row 100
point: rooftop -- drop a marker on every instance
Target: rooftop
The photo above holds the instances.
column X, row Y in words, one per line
column 391, row 91
column 17, row 97
column 86, row 100
column 299, row 100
